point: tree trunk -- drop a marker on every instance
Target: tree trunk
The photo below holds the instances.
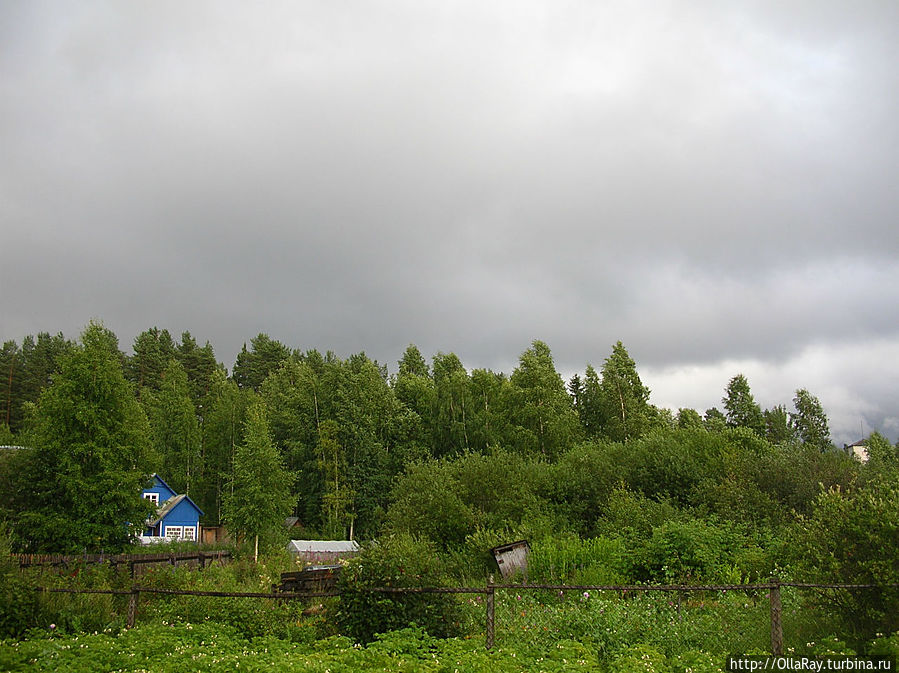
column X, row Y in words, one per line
column 256, row 550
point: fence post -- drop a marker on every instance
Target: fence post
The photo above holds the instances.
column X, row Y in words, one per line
column 777, row 633
column 490, row 614
column 132, row 606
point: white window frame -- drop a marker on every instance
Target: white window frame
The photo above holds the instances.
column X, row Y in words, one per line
column 152, row 497
column 174, row 532
column 190, row 533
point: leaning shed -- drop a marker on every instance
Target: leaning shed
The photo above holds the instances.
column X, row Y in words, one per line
column 322, row 551
column 512, row 558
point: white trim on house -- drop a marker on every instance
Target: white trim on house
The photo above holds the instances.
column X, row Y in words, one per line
column 180, row 533
column 152, row 497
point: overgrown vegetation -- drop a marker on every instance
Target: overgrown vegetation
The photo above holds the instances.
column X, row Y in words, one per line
column 431, row 468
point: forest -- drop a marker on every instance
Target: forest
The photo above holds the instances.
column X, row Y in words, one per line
column 606, row 486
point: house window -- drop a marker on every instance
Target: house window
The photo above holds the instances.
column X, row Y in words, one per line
column 190, row 533
column 173, row 532
column 152, row 497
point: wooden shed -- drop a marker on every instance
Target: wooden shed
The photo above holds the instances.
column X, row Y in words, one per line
column 512, row 558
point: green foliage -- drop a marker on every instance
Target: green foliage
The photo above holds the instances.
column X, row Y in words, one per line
column 742, row 409
column 580, row 482
column 777, row 425
column 396, row 561
column 672, row 464
column 688, row 418
column 153, row 350
column 696, row 551
column 539, row 405
column 795, row 475
column 610, row 625
column 176, row 434
column 19, row 605
column 224, row 416
column 883, row 457
column 452, row 405
column 24, row 372
column 337, row 497
column 589, row 404
column 851, row 537
column 572, row 560
column 253, row 366
column 426, row 502
column 91, row 456
column 624, row 400
column 809, row 422
column 260, row 497
column 632, row 515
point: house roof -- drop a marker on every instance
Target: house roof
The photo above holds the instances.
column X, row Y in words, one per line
column 169, row 505
column 161, row 481
column 322, row 546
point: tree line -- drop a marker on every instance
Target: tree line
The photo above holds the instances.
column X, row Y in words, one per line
column 342, row 430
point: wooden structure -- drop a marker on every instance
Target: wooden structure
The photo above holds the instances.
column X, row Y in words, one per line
column 314, row 579
column 512, row 558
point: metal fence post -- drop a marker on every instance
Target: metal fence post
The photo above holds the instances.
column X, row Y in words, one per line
column 132, row 606
column 777, row 633
column 490, row 615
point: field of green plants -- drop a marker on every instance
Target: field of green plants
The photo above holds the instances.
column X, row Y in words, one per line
column 535, row 629
column 185, row 647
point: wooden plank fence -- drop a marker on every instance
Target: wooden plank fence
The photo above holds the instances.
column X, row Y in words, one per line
column 202, row 559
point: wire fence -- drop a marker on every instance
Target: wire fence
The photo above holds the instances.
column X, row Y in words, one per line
column 746, row 617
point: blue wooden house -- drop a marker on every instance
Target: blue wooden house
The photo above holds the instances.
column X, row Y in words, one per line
column 177, row 517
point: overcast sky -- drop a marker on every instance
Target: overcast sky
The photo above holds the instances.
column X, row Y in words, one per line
column 713, row 183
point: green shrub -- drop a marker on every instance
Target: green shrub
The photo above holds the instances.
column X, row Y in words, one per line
column 396, row 561
column 20, row 607
column 851, row 538
column 19, row 604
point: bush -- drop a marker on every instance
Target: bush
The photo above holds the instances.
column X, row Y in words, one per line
column 681, row 552
column 19, row 602
column 851, row 538
column 396, row 561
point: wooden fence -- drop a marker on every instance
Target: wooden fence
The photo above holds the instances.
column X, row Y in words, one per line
column 773, row 589
column 116, row 561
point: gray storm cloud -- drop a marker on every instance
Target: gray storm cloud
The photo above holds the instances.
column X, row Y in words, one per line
column 710, row 183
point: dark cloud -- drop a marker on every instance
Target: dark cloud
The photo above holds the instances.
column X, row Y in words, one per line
column 710, row 183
